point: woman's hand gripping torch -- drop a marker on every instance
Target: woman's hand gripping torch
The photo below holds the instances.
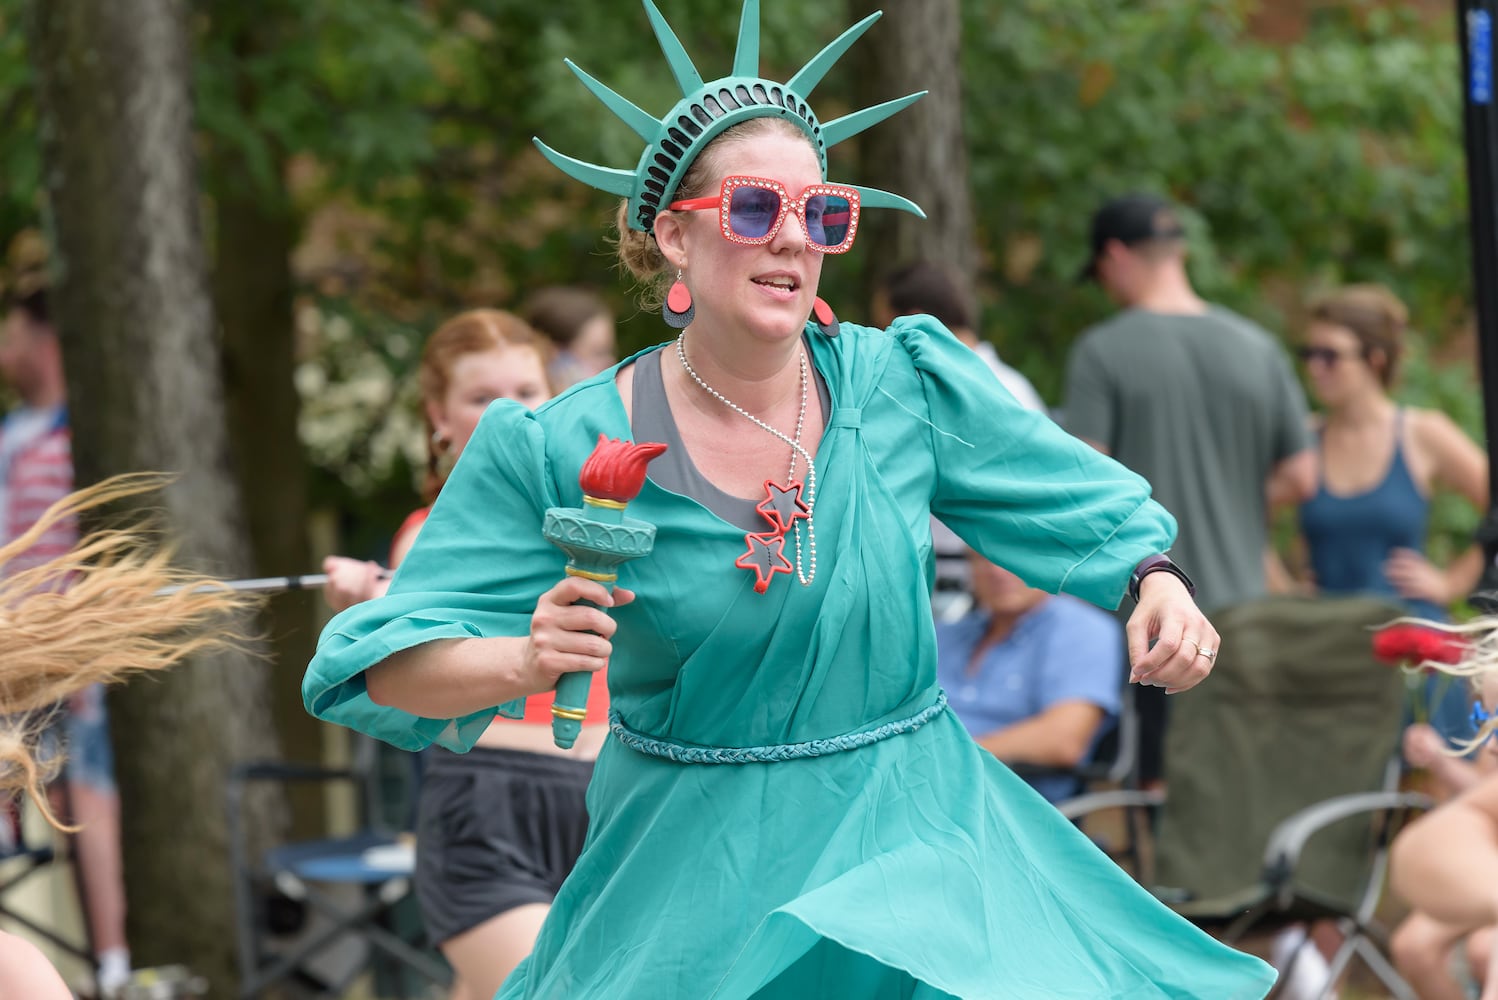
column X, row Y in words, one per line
column 597, row 538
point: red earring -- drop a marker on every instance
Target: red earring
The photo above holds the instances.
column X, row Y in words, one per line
column 826, row 319
column 678, row 310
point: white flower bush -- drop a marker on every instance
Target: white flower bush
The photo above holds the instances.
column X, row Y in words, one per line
column 360, row 402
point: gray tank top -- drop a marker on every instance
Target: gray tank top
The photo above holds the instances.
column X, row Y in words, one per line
column 675, row 471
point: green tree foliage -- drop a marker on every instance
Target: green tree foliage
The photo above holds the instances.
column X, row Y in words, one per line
column 476, row 216
column 407, row 133
column 1336, row 158
column 20, row 153
column 346, row 82
column 1301, row 166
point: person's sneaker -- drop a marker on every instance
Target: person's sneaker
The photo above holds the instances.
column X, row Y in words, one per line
column 1310, row 972
column 113, row 974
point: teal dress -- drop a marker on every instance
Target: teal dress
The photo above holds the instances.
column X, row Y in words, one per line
column 898, row 861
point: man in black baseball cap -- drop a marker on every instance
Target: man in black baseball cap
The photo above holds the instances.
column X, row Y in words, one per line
column 1131, row 220
column 1199, row 400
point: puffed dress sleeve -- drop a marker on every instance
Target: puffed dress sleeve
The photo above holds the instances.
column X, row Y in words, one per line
column 476, row 570
column 1019, row 489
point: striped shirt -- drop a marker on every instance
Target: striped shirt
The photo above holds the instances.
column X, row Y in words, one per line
column 36, row 470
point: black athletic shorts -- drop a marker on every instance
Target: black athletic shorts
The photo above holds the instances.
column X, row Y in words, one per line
column 495, row 829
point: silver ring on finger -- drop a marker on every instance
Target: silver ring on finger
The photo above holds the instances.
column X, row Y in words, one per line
column 1209, row 653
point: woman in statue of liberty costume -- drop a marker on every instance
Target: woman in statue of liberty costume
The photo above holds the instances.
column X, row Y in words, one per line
column 785, row 808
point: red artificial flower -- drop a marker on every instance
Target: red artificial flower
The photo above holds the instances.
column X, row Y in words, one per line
column 616, row 469
column 1405, row 642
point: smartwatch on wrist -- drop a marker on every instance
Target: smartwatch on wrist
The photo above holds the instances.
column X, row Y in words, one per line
column 1158, row 564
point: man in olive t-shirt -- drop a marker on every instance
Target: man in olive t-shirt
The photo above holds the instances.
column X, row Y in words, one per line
column 1197, row 399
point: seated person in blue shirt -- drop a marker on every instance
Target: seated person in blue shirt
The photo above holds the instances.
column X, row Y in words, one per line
column 1035, row 678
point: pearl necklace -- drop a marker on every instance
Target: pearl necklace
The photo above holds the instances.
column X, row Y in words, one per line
column 796, row 450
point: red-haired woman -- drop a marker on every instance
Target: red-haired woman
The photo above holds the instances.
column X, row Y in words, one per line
column 499, row 827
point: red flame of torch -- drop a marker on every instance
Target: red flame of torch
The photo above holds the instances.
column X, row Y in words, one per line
column 1415, row 644
column 616, row 469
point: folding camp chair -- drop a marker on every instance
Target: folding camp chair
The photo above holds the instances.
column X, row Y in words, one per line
column 20, row 860
column 1282, row 770
column 332, row 890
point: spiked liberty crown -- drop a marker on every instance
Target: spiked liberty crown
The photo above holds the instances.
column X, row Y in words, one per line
column 707, row 109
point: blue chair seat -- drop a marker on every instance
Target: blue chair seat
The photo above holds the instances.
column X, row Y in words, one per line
column 352, row 885
column 366, row 858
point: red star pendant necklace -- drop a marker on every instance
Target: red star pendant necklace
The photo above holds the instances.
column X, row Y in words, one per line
column 785, row 505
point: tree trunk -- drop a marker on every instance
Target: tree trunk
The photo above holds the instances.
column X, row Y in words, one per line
column 920, row 153
column 255, row 233
column 138, row 333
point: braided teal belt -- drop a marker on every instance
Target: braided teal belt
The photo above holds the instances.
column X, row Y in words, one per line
column 656, row 747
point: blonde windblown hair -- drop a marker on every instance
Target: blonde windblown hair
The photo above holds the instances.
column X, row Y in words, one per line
column 112, row 606
column 1477, row 665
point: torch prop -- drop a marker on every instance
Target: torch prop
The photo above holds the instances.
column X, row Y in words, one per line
column 598, row 538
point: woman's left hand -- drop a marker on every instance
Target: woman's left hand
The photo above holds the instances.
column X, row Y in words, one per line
column 1415, row 578
column 1185, row 642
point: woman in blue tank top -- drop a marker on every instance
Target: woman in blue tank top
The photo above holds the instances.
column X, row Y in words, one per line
column 1365, row 531
column 1365, row 528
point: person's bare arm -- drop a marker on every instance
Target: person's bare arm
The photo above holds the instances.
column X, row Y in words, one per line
column 353, row 581
column 1460, row 466
column 1278, row 578
column 1446, row 862
column 1096, row 444
column 1464, row 573
column 1457, row 464
column 24, row 972
column 1293, row 480
column 448, row 678
column 1425, row 748
column 1416, row 577
column 1060, row 736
